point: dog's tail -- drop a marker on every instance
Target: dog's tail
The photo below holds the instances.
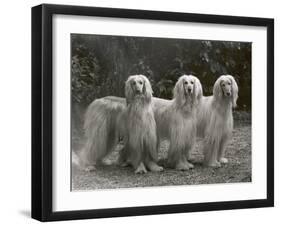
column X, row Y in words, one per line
column 75, row 159
column 101, row 126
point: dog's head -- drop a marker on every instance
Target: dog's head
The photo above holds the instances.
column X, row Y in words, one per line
column 188, row 87
column 226, row 87
column 138, row 86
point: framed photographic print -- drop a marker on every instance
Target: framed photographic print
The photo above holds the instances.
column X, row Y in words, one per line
column 146, row 112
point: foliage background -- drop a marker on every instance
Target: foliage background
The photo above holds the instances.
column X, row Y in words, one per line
column 101, row 64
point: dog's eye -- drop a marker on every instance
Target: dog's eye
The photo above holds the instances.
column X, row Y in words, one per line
column 185, row 82
column 192, row 82
column 140, row 83
column 134, row 83
column 223, row 84
column 229, row 83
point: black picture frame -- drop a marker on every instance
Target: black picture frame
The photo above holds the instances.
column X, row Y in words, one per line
column 42, row 108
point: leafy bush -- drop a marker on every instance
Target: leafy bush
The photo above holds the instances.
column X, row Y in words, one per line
column 101, row 64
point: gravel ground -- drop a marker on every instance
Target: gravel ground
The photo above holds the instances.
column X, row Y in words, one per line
column 113, row 176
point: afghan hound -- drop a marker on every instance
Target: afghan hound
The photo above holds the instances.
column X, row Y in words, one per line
column 215, row 120
column 140, row 131
column 176, row 120
column 134, row 121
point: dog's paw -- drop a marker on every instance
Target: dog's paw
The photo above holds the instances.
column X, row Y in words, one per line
column 124, row 164
column 141, row 169
column 182, row 167
column 190, row 165
column 156, row 168
column 214, row 164
column 153, row 167
column 223, row 160
column 89, row 168
column 107, row 162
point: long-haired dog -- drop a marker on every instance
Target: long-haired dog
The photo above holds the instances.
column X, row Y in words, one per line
column 140, row 130
column 215, row 120
column 107, row 119
column 176, row 120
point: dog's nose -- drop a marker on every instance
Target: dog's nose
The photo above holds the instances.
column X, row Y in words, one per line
column 189, row 90
column 228, row 93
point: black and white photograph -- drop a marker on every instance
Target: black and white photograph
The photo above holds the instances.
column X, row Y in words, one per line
column 149, row 111
column 142, row 112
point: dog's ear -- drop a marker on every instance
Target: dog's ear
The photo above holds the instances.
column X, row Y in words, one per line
column 129, row 92
column 198, row 92
column 178, row 92
column 217, row 91
column 147, row 89
column 234, row 89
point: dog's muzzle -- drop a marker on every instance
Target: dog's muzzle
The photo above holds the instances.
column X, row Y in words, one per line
column 138, row 91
